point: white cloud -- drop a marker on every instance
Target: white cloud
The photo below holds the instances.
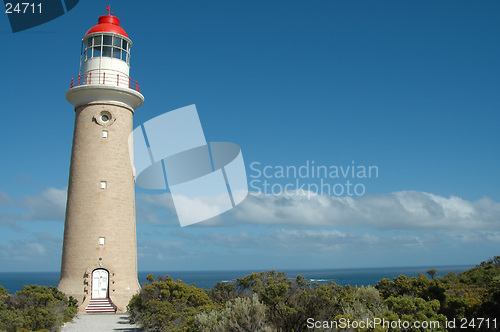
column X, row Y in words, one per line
column 24, row 250
column 155, row 209
column 475, row 236
column 163, row 250
column 163, row 200
column 48, row 205
column 246, row 246
column 271, row 247
column 334, row 241
column 398, row 210
column 315, row 240
column 5, row 200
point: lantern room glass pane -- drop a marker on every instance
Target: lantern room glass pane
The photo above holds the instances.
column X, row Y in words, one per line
column 117, row 41
column 97, row 40
column 106, row 51
column 116, row 52
column 124, row 44
column 88, row 43
column 107, row 40
column 97, row 51
column 124, row 56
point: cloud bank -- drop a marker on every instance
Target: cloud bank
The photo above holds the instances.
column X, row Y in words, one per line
column 398, row 210
column 49, row 205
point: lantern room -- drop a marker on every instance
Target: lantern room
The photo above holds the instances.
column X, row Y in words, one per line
column 106, row 45
column 105, row 66
column 106, row 54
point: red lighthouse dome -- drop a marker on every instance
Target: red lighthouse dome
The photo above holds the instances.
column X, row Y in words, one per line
column 108, row 23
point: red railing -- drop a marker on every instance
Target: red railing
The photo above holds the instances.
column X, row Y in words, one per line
column 110, row 79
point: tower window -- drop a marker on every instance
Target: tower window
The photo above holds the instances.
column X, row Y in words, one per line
column 104, row 134
column 107, row 40
column 107, row 45
column 103, row 185
column 106, row 51
column 101, row 241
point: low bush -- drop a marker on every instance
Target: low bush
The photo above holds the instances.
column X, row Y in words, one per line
column 238, row 315
column 168, row 305
column 35, row 308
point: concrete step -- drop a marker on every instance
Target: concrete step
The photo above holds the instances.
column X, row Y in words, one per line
column 100, row 306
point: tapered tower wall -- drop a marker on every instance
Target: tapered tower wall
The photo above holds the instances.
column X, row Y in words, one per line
column 100, row 206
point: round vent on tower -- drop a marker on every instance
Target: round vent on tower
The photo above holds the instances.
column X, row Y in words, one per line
column 104, row 118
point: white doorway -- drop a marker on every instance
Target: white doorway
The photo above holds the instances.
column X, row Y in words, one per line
column 100, row 281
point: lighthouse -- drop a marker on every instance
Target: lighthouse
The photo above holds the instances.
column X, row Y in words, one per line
column 99, row 260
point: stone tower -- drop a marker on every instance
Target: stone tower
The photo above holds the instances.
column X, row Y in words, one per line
column 99, row 260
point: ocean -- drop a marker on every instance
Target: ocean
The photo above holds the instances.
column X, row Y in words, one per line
column 14, row 281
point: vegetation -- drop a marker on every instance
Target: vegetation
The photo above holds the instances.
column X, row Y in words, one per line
column 270, row 301
column 35, row 308
column 432, row 273
column 168, row 305
column 242, row 314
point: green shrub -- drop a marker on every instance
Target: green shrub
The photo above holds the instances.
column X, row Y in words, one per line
column 223, row 292
column 290, row 302
column 36, row 308
column 168, row 305
column 417, row 309
column 243, row 314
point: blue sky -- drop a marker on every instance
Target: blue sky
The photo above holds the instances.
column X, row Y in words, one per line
column 410, row 87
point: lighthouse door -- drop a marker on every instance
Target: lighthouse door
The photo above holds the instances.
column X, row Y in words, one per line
column 99, row 284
